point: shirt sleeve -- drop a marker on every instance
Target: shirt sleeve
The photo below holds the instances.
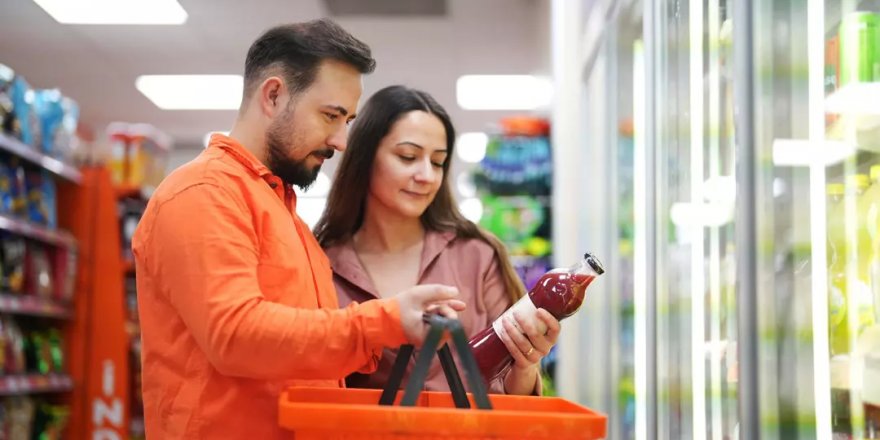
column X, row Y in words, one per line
column 203, row 249
column 497, row 301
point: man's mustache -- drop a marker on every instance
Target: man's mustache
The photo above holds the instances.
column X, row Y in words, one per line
column 327, row 153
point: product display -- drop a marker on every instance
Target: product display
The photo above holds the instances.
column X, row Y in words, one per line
column 139, row 154
column 65, row 266
column 38, row 261
column 561, row 292
column 18, row 418
column 12, row 261
column 859, row 47
column 27, row 418
column 39, row 280
column 7, row 117
column 41, row 203
column 27, row 124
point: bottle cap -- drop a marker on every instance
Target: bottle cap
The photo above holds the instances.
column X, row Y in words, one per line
column 594, row 263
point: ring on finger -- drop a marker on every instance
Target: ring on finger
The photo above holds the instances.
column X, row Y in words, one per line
column 531, row 350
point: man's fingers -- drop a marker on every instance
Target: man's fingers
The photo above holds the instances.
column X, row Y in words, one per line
column 444, row 310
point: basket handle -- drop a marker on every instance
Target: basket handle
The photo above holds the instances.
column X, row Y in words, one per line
column 439, row 325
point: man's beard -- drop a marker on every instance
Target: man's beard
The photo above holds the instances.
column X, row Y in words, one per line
column 290, row 171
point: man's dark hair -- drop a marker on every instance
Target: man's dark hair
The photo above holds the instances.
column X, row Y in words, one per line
column 297, row 50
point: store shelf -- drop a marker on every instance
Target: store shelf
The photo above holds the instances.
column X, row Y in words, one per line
column 34, row 384
column 36, row 232
column 54, row 166
column 33, row 306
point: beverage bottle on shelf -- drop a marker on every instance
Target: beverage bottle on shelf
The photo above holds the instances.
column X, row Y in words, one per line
column 852, row 254
column 560, row 291
column 865, row 299
column 872, row 207
column 836, row 256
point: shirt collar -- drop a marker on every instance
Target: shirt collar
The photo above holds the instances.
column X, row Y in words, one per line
column 240, row 153
column 346, row 264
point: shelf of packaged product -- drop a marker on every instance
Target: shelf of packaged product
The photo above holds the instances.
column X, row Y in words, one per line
column 21, row 384
column 31, row 305
column 54, row 166
column 36, row 232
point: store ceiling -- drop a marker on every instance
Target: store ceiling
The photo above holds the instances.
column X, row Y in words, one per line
column 97, row 65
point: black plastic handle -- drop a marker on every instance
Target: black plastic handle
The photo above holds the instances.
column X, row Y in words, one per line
column 439, row 325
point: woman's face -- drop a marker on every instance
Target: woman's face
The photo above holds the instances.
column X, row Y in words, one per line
column 408, row 169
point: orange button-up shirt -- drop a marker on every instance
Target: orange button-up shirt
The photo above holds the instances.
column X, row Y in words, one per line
column 237, row 302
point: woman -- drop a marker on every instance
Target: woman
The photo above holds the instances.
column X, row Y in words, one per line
column 391, row 223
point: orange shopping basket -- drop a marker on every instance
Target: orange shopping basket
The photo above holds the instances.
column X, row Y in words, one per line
column 332, row 413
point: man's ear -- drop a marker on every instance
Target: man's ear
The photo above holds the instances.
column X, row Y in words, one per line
column 271, row 91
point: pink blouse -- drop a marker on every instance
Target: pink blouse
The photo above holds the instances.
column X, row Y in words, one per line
column 468, row 264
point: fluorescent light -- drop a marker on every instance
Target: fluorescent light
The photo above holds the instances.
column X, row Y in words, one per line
column 471, row 147
column 796, row 152
column 855, row 99
column 471, row 209
column 208, row 135
column 192, row 92
column 503, row 92
column 114, row 11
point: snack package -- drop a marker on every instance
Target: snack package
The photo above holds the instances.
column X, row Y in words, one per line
column 4, row 344
column 20, row 412
column 39, row 353
column 6, row 182
column 23, row 107
column 18, row 187
column 65, row 262
column 12, row 262
column 15, row 346
column 67, row 142
column 50, row 113
column 7, row 115
column 38, row 272
column 50, row 422
column 50, row 200
column 41, row 198
column 56, row 350
column 37, row 200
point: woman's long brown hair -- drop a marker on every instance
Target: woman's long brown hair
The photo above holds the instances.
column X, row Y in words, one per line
column 344, row 214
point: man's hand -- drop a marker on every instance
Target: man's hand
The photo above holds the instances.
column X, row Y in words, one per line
column 428, row 298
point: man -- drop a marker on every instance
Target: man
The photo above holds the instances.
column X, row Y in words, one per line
column 236, row 296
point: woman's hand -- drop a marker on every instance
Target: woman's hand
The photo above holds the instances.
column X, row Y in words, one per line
column 528, row 341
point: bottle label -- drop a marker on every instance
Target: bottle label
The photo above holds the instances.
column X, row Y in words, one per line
column 527, row 311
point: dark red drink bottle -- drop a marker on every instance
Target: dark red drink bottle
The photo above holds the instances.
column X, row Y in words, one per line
column 559, row 291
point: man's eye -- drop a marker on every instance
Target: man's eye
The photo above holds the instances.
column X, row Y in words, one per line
column 331, row 116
